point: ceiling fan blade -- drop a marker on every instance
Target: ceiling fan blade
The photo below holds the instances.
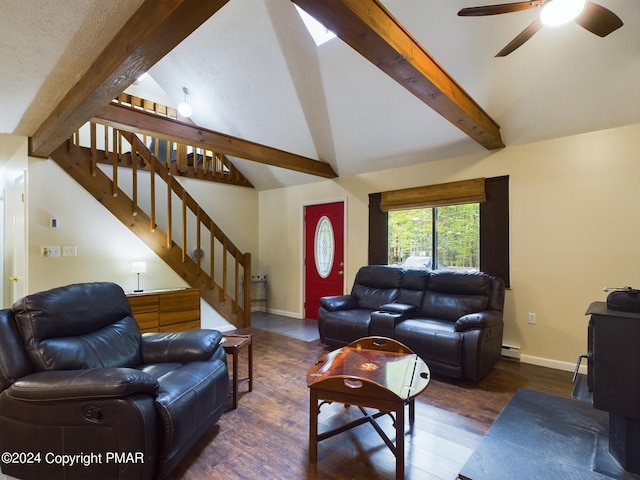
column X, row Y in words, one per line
column 498, row 9
column 525, row 35
column 598, row 19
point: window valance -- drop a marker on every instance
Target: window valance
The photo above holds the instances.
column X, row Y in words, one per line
column 451, row 193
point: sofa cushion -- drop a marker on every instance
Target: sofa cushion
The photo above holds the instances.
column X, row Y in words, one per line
column 79, row 326
column 157, row 370
column 376, row 285
column 344, row 325
column 412, row 286
column 432, row 338
column 452, row 294
column 415, row 279
column 370, row 298
column 460, row 282
column 451, row 307
column 379, row 276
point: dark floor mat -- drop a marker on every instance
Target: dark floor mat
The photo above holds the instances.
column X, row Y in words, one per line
column 542, row 436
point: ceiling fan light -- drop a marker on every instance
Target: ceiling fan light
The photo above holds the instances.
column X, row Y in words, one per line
column 559, row 12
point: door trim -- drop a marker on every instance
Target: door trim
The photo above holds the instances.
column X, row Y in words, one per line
column 302, row 243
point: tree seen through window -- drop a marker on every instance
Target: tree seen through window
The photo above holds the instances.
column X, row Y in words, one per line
column 439, row 237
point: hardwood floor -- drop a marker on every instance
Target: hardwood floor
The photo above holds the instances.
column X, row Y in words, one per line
column 267, row 436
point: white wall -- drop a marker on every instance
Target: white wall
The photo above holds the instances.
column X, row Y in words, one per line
column 574, row 229
column 105, row 247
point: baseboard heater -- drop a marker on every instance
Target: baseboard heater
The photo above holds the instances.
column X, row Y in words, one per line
column 511, row 352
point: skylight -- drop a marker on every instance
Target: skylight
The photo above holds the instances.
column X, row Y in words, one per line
column 319, row 32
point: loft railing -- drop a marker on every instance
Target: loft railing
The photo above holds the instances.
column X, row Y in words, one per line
column 174, row 212
column 183, row 159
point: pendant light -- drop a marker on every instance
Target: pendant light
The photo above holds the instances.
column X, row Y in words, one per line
column 184, row 108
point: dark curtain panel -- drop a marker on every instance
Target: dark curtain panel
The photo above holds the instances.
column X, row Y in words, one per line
column 494, row 229
column 378, row 232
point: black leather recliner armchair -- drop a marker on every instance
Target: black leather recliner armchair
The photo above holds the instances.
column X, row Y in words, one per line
column 84, row 395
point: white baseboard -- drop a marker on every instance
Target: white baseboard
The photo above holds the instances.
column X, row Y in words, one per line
column 279, row 312
column 511, row 351
column 556, row 364
column 225, row 328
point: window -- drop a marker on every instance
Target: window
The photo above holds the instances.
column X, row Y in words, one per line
column 437, row 237
column 491, row 198
column 318, row 32
column 324, row 247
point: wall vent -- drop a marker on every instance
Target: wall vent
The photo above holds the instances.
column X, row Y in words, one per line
column 511, row 352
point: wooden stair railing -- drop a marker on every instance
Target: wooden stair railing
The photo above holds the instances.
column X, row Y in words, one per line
column 228, row 290
column 185, row 160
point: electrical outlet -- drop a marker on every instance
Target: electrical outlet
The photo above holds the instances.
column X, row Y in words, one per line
column 532, row 318
column 69, row 250
column 50, row 251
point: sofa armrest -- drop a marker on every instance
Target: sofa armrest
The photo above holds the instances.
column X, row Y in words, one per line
column 488, row 318
column 383, row 324
column 56, row 385
column 183, row 347
column 339, row 302
column 384, row 320
column 403, row 309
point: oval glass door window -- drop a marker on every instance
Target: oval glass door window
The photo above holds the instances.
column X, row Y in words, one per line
column 324, row 247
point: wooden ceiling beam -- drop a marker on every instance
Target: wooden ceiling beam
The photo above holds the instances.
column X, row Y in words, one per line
column 150, row 34
column 373, row 32
column 127, row 119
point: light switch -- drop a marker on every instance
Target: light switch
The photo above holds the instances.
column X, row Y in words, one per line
column 69, row 250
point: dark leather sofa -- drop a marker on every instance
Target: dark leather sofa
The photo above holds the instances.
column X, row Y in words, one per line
column 451, row 319
column 79, row 383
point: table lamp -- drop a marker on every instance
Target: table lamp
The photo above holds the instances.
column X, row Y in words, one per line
column 138, row 268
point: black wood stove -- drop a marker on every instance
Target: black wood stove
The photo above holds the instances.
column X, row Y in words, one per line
column 614, row 371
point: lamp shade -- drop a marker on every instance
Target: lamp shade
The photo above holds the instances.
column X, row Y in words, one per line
column 185, row 109
column 138, row 267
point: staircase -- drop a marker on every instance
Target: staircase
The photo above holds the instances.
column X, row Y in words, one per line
column 167, row 227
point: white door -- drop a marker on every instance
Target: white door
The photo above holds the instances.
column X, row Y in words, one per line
column 16, row 240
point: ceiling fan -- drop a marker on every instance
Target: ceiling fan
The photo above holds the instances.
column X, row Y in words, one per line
column 593, row 17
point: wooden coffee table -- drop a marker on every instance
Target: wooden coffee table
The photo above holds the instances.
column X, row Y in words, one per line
column 373, row 372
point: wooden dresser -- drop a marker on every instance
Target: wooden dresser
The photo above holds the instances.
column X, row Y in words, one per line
column 171, row 310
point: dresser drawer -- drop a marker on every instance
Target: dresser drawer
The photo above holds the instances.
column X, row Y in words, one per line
column 166, row 310
column 187, row 314
column 180, row 300
column 143, row 303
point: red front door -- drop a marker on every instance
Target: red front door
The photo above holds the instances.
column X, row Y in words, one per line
column 324, row 254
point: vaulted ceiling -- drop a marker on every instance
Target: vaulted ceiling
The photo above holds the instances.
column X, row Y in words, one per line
column 254, row 72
